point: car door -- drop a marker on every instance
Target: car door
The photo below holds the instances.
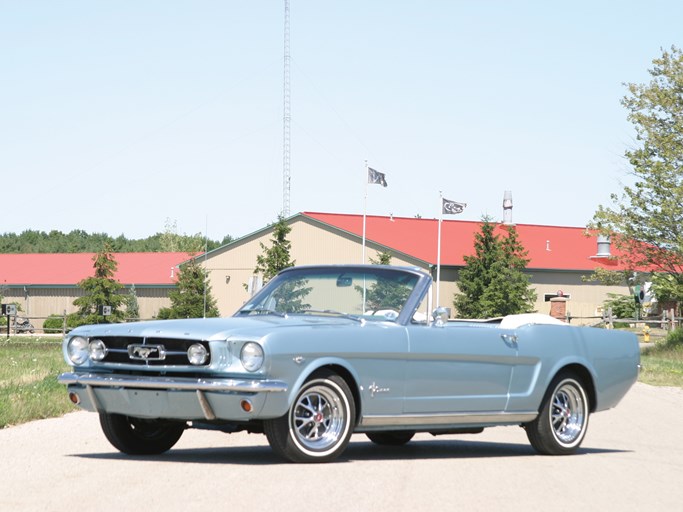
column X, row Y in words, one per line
column 458, row 369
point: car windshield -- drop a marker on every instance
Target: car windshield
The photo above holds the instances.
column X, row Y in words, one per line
column 379, row 293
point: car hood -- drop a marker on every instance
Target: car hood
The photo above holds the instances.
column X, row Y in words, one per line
column 212, row 328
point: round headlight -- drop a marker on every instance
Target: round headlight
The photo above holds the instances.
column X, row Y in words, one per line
column 251, row 356
column 97, row 350
column 77, row 350
column 197, row 354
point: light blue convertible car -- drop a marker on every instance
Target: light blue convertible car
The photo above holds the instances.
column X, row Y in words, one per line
column 322, row 352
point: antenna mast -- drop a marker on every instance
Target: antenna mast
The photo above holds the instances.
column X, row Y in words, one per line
column 287, row 117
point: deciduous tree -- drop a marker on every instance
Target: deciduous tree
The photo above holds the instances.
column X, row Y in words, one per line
column 645, row 221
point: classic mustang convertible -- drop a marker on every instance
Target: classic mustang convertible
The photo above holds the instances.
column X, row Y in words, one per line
column 323, row 352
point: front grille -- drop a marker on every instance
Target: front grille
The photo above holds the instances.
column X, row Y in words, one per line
column 174, row 350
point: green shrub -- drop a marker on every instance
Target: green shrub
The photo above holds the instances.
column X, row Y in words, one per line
column 53, row 324
column 623, row 306
column 74, row 320
column 674, row 338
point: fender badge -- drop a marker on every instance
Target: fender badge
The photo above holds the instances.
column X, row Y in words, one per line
column 375, row 389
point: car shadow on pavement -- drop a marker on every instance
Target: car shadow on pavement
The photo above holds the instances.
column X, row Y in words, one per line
column 448, row 449
column 356, row 451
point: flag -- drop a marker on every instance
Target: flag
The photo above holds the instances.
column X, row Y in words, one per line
column 452, row 207
column 376, row 177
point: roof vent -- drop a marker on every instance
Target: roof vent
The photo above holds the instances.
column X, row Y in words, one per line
column 507, row 207
column 604, row 247
column 604, row 254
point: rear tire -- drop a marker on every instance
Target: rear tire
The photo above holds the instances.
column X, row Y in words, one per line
column 395, row 438
column 137, row 436
column 562, row 422
column 319, row 423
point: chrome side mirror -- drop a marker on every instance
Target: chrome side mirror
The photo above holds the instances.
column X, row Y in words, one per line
column 440, row 317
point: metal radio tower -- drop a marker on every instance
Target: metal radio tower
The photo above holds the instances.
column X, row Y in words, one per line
column 287, row 117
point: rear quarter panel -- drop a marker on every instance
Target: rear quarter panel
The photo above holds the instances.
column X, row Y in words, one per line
column 611, row 359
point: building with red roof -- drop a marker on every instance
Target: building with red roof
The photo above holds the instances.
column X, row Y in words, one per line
column 550, row 247
column 559, row 256
column 45, row 284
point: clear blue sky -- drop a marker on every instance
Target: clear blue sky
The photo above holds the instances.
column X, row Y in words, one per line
column 118, row 115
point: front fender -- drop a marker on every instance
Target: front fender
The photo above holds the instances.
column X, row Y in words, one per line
column 315, row 365
column 277, row 406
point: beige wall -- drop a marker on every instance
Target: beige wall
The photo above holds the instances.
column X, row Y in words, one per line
column 40, row 302
column 231, row 268
column 585, row 299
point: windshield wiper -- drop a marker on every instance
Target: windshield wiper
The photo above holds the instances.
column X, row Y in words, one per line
column 333, row 313
column 263, row 311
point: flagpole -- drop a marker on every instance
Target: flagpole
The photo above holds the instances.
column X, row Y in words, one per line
column 438, row 251
column 365, row 209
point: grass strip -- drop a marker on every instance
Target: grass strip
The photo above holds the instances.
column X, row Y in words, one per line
column 28, row 381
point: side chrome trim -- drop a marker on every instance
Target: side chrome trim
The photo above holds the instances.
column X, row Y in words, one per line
column 182, row 383
column 426, row 420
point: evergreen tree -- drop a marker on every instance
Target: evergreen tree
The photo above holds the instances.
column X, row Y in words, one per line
column 519, row 295
column 132, row 305
column 492, row 283
column 384, row 293
column 276, row 257
column 189, row 299
column 101, row 289
column 383, row 258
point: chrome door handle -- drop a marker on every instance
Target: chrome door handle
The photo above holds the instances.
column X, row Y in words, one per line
column 510, row 340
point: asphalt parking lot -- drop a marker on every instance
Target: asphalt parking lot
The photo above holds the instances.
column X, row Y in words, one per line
column 631, row 459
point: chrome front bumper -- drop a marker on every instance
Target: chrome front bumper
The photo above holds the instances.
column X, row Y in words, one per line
column 175, row 397
column 169, row 383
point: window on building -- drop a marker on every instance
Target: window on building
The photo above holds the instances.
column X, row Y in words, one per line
column 559, row 293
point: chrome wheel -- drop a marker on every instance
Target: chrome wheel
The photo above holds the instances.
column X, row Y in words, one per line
column 318, row 418
column 562, row 420
column 568, row 414
column 319, row 423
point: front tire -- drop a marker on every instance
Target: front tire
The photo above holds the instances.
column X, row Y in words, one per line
column 137, row 436
column 562, row 421
column 319, row 423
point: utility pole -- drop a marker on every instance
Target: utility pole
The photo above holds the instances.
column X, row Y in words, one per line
column 287, row 117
